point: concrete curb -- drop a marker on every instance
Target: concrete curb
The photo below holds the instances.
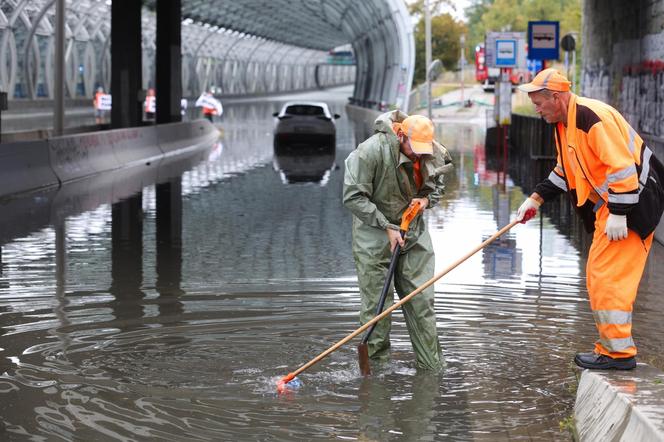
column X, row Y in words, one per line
column 33, row 165
column 620, row 405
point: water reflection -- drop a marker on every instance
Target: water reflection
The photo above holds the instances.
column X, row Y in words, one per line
column 170, row 311
column 305, row 161
column 127, row 263
column 169, row 249
column 408, row 414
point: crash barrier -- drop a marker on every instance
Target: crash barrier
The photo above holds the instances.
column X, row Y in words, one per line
column 177, row 136
column 363, row 120
column 25, row 165
column 620, row 405
column 29, row 166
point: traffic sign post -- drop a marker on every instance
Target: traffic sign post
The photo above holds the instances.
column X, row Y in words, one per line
column 568, row 43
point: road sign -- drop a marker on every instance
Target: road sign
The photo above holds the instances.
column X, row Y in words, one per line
column 506, row 53
column 543, row 39
column 505, row 50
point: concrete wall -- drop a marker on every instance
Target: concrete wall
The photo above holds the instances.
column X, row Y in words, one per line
column 623, row 64
column 33, row 165
column 623, row 59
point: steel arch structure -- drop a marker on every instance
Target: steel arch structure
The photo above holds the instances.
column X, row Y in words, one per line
column 248, row 47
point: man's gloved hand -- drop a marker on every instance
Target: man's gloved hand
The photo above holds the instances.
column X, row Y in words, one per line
column 527, row 210
column 616, row 227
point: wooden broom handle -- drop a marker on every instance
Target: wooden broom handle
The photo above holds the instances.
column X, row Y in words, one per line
column 396, row 305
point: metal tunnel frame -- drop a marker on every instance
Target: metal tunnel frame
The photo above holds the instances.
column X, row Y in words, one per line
column 242, row 48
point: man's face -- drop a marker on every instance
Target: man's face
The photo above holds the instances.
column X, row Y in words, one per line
column 547, row 105
column 405, row 147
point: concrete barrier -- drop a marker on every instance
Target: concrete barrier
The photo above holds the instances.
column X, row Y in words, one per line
column 177, row 137
column 77, row 156
column 28, row 166
column 25, row 166
column 135, row 146
column 620, row 405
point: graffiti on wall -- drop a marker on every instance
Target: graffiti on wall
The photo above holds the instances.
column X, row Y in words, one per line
column 642, row 96
column 596, row 81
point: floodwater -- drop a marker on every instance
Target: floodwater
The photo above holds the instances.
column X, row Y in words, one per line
column 169, row 311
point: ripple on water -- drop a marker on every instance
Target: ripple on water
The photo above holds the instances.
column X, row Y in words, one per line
column 214, row 372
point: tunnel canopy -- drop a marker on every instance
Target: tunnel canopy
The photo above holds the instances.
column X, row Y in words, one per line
column 241, row 47
column 379, row 31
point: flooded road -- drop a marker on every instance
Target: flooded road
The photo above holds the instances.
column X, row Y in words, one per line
column 170, row 313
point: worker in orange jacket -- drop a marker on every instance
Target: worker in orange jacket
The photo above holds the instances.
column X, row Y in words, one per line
column 100, row 113
column 600, row 158
column 150, row 105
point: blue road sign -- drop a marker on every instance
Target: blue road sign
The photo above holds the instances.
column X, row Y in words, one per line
column 506, row 52
column 534, row 66
column 543, row 37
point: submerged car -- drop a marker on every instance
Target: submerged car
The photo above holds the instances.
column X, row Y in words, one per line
column 309, row 124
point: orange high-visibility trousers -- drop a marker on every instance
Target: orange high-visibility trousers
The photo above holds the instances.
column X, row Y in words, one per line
column 613, row 273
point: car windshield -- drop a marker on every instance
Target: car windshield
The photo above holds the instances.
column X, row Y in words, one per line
column 304, row 109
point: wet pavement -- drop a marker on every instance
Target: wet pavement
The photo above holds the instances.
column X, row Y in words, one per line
column 170, row 313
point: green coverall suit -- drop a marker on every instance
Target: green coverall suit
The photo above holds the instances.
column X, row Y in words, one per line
column 378, row 187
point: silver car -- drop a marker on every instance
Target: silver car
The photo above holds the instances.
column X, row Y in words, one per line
column 308, row 124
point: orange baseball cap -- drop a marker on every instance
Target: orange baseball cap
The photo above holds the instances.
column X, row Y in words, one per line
column 549, row 79
column 419, row 130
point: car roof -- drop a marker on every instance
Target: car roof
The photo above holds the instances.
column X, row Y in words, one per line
column 321, row 104
column 306, row 103
column 310, row 103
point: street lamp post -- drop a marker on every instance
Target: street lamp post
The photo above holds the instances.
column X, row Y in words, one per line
column 59, row 82
column 463, row 64
column 427, row 38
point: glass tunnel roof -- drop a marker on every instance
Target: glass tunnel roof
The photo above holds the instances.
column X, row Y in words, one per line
column 251, row 46
column 314, row 24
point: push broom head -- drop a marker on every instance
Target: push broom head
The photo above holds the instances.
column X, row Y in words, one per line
column 288, row 383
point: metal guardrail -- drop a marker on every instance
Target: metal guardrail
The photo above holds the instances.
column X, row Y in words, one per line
column 534, row 136
column 532, row 152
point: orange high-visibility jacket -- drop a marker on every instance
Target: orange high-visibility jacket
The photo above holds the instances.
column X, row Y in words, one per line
column 97, row 99
column 598, row 159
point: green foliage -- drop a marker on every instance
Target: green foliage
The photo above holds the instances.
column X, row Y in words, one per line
column 485, row 16
column 417, row 7
column 567, row 425
column 474, row 14
column 445, row 43
column 514, row 15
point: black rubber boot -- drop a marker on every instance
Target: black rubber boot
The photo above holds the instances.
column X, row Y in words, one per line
column 596, row 361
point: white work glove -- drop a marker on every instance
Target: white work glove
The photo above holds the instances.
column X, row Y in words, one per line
column 527, row 210
column 616, row 227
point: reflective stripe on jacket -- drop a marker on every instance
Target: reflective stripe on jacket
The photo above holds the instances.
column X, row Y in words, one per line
column 598, row 155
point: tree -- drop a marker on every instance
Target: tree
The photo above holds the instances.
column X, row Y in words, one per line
column 514, row 15
column 474, row 14
column 416, row 7
column 445, row 44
